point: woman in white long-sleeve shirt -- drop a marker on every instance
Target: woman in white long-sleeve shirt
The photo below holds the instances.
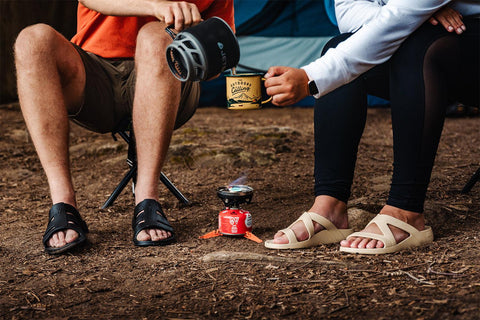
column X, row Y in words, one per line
column 417, row 54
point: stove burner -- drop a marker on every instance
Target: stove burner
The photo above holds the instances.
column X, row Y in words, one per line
column 234, row 196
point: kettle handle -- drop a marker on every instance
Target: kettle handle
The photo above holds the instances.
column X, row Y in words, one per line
column 171, row 32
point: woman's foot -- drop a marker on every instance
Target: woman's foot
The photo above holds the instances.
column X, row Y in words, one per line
column 414, row 219
column 328, row 207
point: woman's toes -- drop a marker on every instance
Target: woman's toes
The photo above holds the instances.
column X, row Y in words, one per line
column 280, row 238
column 379, row 244
column 363, row 243
column 372, row 243
column 355, row 242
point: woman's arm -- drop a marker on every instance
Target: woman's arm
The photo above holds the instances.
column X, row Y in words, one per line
column 374, row 43
column 353, row 14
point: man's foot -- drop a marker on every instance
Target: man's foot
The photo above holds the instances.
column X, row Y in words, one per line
column 62, row 238
column 416, row 220
column 65, row 229
column 150, row 225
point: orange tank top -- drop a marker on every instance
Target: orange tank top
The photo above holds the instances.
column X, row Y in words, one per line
column 115, row 37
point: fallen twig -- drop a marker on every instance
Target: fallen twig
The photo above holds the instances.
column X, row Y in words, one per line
column 418, row 279
column 249, row 256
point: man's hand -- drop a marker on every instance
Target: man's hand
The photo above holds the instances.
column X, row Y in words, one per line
column 180, row 14
column 286, row 85
column 450, row 19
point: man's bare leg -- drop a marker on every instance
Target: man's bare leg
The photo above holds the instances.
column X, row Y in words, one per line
column 50, row 81
column 157, row 96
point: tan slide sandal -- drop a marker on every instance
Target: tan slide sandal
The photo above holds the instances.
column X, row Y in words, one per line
column 416, row 237
column 330, row 235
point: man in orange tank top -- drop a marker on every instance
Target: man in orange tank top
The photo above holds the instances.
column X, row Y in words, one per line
column 112, row 69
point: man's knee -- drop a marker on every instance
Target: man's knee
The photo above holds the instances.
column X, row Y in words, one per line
column 35, row 40
column 152, row 39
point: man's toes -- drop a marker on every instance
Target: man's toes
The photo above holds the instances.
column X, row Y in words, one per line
column 379, row 244
column 71, row 235
column 53, row 241
column 143, row 236
column 57, row 240
column 157, row 234
column 152, row 234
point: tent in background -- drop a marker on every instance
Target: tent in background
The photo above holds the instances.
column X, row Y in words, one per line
column 277, row 32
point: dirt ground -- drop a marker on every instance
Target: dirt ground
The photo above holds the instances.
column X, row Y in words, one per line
column 226, row 277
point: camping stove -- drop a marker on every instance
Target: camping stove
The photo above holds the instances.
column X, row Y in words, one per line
column 234, row 221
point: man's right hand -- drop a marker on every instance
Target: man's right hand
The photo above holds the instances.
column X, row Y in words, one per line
column 181, row 14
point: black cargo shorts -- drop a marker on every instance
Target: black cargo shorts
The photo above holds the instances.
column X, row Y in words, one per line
column 109, row 93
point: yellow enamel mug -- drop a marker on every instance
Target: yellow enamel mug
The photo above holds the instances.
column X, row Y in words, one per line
column 244, row 91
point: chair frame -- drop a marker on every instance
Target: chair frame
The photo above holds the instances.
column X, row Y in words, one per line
column 469, row 185
column 128, row 137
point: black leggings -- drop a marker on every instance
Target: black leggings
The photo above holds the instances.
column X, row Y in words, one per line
column 431, row 68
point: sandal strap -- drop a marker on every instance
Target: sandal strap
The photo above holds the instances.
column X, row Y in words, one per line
column 290, row 235
column 383, row 222
column 63, row 216
column 146, row 216
column 308, row 218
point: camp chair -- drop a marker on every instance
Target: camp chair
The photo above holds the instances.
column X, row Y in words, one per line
column 126, row 133
column 469, row 185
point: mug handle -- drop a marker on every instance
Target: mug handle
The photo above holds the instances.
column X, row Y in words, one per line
column 269, row 98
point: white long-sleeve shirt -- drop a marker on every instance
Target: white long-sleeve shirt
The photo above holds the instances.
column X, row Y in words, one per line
column 380, row 27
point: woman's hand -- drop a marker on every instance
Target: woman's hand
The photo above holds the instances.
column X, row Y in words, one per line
column 450, row 19
column 286, row 85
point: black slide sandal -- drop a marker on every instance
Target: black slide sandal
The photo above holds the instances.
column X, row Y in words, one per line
column 148, row 214
column 63, row 216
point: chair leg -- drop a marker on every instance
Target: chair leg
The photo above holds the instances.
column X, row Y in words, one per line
column 127, row 136
column 173, row 189
column 469, row 185
column 130, row 174
column 120, row 187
